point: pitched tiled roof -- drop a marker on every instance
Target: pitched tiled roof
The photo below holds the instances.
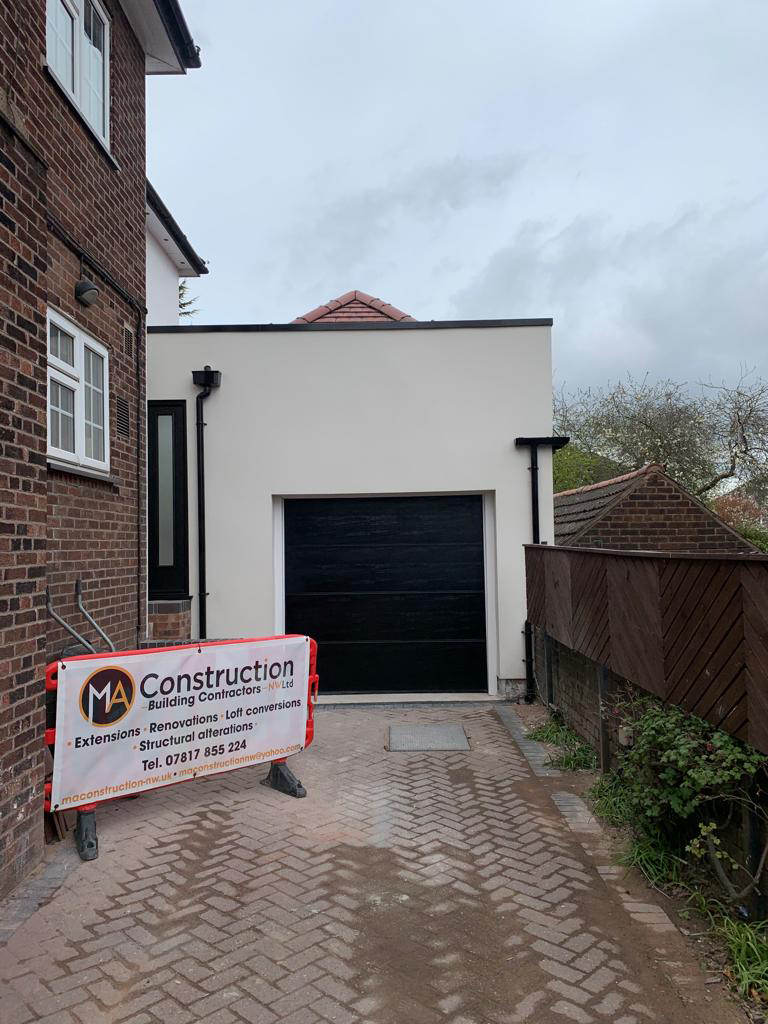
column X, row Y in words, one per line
column 578, row 509
column 353, row 307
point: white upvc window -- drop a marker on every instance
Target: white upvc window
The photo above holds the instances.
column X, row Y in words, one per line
column 78, row 396
column 78, row 57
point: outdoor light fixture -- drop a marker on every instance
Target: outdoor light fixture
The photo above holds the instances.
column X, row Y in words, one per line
column 86, row 291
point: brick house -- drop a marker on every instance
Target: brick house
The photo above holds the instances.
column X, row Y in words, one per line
column 72, row 371
column 641, row 511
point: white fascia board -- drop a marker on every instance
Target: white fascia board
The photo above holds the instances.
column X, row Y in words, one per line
column 160, row 56
column 167, row 244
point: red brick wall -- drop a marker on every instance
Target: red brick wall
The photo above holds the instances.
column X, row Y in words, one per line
column 23, row 499
column 659, row 516
column 169, row 621
column 57, row 526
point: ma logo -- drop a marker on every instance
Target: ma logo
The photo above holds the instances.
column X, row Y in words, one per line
column 107, row 696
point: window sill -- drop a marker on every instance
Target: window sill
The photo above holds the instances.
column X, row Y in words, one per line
column 105, row 150
column 89, row 474
column 169, row 605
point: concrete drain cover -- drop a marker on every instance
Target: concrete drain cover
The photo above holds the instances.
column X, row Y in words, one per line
column 427, row 737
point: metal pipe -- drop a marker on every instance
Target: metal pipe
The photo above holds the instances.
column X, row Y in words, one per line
column 89, row 617
column 530, row 680
column 533, row 443
column 206, row 379
column 57, row 618
column 536, row 526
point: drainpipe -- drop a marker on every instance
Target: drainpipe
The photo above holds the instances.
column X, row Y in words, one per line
column 205, row 379
column 533, row 443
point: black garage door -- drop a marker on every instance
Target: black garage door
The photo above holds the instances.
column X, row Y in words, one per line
column 392, row 589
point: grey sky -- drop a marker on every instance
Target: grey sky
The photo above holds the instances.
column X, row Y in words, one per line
column 600, row 162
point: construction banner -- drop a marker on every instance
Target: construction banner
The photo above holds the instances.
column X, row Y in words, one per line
column 129, row 722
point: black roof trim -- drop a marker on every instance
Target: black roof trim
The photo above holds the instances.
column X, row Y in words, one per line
column 178, row 33
column 374, row 325
column 173, row 229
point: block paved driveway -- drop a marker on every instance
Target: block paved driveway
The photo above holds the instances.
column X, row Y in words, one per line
column 434, row 888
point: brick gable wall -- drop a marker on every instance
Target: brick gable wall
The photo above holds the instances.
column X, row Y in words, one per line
column 62, row 196
column 659, row 516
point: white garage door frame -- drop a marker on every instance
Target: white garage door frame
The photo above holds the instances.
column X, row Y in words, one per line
column 489, row 560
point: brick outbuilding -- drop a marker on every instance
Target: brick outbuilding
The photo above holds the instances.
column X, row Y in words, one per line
column 645, row 510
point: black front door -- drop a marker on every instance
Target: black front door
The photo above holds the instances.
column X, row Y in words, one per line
column 392, row 589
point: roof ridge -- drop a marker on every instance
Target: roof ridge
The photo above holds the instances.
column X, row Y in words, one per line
column 386, row 309
column 656, row 467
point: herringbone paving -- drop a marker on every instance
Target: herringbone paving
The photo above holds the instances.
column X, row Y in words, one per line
column 407, row 888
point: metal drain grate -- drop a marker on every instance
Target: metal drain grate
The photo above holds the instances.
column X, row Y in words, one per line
column 427, row 737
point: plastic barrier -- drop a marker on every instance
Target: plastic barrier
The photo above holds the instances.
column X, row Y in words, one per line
column 280, row 776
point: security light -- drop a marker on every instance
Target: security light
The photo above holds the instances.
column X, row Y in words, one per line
column 86, row 291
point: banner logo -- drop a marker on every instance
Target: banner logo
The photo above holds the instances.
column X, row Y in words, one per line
column 107, row 696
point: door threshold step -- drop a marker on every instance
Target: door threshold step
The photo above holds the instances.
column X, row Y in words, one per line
column 365, row 699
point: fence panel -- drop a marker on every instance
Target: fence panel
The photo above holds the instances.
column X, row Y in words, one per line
column 634, row 614
column 691, row 629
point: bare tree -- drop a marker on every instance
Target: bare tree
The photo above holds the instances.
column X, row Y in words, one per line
column 709, row 436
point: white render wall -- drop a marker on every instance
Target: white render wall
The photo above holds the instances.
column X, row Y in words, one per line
column 359, row 412
column 162, row 286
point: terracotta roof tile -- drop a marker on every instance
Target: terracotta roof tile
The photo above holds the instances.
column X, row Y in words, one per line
column 353, row 307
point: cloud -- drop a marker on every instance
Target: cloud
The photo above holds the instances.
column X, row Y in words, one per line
column 346, row 227
column 686, row 297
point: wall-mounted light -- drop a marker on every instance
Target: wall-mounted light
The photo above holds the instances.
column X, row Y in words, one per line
column 86, row 291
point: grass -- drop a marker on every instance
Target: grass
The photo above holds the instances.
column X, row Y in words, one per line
column 609, row 800
column 745, row 943
column 650, row 855
column 574, row 754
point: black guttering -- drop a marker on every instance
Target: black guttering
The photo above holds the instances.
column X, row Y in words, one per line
column 376, row 325
column 179, row 35
column 165, row 217
column 533, row 443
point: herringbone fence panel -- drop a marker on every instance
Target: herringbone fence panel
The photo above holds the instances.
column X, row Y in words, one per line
column 692, row 630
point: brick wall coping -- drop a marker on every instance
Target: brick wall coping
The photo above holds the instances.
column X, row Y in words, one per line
column 710, row 556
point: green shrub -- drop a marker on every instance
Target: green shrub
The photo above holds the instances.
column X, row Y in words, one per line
column 675, row 788
column 680, row 766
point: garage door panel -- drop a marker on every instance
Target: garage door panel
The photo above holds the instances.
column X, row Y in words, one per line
column 401, row 668
column 344, row 521
column 382, row 617
column 362, row 568
column 392, row 589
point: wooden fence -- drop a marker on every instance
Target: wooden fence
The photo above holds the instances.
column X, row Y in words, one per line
column 691, row 629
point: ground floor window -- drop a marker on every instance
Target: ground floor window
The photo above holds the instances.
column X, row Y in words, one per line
column 78, row 395
column 167, row 505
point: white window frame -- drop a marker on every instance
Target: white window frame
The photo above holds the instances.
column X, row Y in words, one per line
column 73, row 377
column 77, row 10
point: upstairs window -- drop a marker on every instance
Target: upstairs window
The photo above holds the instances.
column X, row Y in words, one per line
column 78, row 396
column 78, row 57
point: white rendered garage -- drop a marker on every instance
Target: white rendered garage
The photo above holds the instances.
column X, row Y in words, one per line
column 362, row 484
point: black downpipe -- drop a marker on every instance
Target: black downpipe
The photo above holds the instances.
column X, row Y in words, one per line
column 206, row 379
column 530, row 681
column 535, row 525
column 533, row 443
